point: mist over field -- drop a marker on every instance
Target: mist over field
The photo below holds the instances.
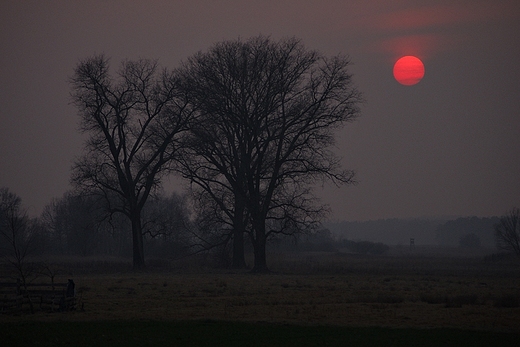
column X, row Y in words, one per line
column 446, row 231
column 346, row 276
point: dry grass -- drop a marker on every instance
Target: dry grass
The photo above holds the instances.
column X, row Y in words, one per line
column 335, row 289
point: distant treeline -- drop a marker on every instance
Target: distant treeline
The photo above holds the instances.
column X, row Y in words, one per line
column 77, row 224
column 464, row 231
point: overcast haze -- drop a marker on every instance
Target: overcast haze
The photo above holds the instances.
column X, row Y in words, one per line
column 448, row 146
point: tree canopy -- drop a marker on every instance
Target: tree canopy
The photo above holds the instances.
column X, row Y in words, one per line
column 134, row 122
column 266, row 115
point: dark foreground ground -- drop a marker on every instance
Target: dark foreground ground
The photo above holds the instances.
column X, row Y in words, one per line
column 312, row 299
column 218, row 333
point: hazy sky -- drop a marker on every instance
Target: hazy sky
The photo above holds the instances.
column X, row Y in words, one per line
column 449, row 145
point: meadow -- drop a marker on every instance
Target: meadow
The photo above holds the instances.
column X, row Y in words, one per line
column 417, row 293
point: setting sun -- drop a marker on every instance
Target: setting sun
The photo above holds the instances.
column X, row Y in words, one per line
column 409, row 70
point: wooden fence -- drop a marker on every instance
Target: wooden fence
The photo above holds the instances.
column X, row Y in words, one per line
column 16, row 297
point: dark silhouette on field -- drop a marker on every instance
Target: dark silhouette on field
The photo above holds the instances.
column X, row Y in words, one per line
column 134, row 123
column 261, row 137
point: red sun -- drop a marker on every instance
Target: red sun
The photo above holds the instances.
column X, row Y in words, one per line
column 409, row 70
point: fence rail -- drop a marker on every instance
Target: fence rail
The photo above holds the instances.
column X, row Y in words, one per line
column 16, row 297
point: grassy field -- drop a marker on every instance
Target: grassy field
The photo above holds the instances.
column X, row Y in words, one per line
column 407, row 298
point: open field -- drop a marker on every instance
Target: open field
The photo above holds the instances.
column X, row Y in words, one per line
column 402, row 291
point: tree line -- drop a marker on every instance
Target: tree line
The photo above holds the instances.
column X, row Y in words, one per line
column 468, row 232
column 248, row 124
column 76, row 224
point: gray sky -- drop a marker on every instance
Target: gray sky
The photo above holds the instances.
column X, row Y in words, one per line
column 449, row 145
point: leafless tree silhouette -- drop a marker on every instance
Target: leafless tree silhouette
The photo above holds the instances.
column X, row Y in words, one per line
column 134, row 123
column 266, row 112
column 16, row 241
column 507, row 232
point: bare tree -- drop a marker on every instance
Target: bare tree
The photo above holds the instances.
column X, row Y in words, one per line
column 134, row 123
column 267, row 111
column 507, row 232
column 15, row 242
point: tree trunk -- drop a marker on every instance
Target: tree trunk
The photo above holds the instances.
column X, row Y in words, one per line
column 239, row 261
column 259, row 246
column 137, row 238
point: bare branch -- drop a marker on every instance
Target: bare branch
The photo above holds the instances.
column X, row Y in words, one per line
column 134, row 122
column 507, row 232
column 265, row 115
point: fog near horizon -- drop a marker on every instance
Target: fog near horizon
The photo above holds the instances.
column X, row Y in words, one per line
column 447, row 146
